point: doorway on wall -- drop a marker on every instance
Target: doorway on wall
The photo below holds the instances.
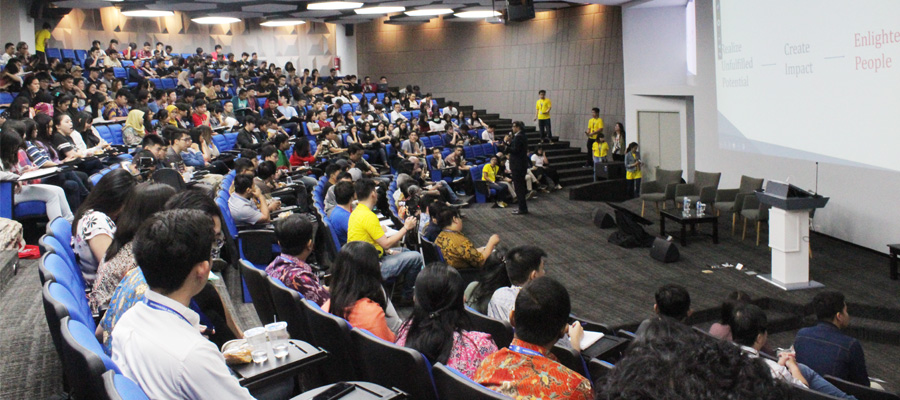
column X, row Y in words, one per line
column 659, row 135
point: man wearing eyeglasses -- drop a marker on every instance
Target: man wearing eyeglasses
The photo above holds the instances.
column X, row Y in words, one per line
column 179, row 140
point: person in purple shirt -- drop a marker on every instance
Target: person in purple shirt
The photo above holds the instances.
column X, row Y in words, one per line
column 827, row 350
column 340, row 214
column 294, row 235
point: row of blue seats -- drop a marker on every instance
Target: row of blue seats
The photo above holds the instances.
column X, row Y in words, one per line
column 82, row 55
column 88, row 371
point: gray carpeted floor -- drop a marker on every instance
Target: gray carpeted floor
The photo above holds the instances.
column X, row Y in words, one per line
column 608, row 284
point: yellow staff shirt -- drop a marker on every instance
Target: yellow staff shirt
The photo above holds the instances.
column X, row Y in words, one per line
column 543, row 108
column 601, row 149
column 363, row 226
column 39, row 39
column 489, row 173
column 595, row 124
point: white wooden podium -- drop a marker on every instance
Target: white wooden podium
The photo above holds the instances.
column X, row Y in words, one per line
column 789, row 234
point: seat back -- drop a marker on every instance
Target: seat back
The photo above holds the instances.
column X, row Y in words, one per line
column 169, row 177
column 431, row 252
column 115, row 133
column 408, row 370
column 53, row 268
column 289, row 308
column 666, row 177
column 51, row 245
column 84, row 361
column 859, row 391
column 500, row 331
column 55, row 297
column 258, row 285
column 332, row 333
column 119, row 387
column 61, row 229
column 749, row 185
column 707, row 179
column 452, row 384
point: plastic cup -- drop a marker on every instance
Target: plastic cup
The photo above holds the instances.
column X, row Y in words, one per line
column 256, row 338
column 278, row 337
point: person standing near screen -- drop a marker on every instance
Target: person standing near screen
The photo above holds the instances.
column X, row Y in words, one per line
column 542, row 115
column 518, row 164
column 633, row 169
column 595, row 127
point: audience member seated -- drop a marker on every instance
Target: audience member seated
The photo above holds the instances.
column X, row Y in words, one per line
column 439, row 325
column 330, row 197
column 94, row 226
column 53, row 197
column 458, row 250
column 365, row 226
column 294, row 235
column 680, row 364
column 672, row 301
column 356, row 291
column 826, row 349
column 523, row 264
column 132, row 288
column 431, row 228
column 722, row 329
column 340, row 215
column 248, row 137
column 749, row 327
column 503, row 186
column 119, row 258
column 527, row 369
column 158, row 343
column 248, row 205
column 493, row 276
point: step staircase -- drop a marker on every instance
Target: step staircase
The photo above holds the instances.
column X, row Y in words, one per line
column 569, row 161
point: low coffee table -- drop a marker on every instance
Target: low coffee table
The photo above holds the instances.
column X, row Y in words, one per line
column 691, row 219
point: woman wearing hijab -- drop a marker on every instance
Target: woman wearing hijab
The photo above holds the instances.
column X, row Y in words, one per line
column 133, row 131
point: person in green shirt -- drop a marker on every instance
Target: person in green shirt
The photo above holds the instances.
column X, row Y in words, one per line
column 282, row 144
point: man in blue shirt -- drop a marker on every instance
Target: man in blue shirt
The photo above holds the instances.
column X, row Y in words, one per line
column 340, row 214
column 827, row 350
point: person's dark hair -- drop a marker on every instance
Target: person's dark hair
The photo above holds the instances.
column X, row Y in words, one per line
column 331, row 169
column 293, row 234
column 108, row 195
column 364, row 188
column 827, row 304
column 250, row 120
column 150, row 140
column 344, row 175
column 673, row 301
column 493, row 277
column 736, row 297
column 542, row 310
column 194, row 199
column 445, row 218
column 249, row 154
column 169, row 244
column 10, row 142
column 596, row 110
column 242, row 164
column 265, row 170
column 354, row 148
column 278, row 140
column 242, row 183
column 343, row 193
column 438, row 314
column 631, row 146
column 748, row 322
column 146, row 199
column 542, row 91
column 301, row 148
column 686, row 365
column 267, row 150
column 521, row 261
column 356, row 274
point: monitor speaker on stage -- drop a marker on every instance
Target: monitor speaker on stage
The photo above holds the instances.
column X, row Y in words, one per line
column 664, row 250
column 603, row 220
column 519, row 10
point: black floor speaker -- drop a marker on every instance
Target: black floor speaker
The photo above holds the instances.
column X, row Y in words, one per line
column 603, row 220
column 664, row 251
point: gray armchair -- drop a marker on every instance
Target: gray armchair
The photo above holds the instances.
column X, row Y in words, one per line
column 703, row 188
column 753, row 210
column 660, row 190
column 731, row 200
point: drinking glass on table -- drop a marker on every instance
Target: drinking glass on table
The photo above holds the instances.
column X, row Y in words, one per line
column 278, row 337
column 256, row 338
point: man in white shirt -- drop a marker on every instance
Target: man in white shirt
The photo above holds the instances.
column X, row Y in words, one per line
column 9, row 53
column 396, row 115
column 158, row 342
column 523, row 264
column 449, row 110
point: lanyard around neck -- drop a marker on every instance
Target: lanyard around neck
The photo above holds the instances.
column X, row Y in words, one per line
column 161, row 307
column 522, row 350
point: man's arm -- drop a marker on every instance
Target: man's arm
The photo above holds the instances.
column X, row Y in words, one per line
column 386, row 242
column 263, row 206
column 857, row 371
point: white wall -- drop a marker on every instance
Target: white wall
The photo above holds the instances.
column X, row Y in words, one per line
column 345, row 48
column 862, row 208
column 15, row 25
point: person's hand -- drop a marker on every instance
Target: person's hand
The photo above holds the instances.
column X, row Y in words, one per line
column 576, row 333
column 18, row 188
column 274, row 205
column 72, row 157
column 410, row 223
column 785, row 359
column 494, row 239
column 256, row 192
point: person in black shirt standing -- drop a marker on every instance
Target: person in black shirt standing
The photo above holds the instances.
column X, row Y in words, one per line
column 517, row 150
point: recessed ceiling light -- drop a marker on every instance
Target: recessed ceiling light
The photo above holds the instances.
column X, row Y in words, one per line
column 216, row 20
column 147, row 13
column 333, row 5
column 429, row 12
column 283, row 22
column 380, row 10
column 477, row 14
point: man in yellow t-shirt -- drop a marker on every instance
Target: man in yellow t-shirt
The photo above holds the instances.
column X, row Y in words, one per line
column 40, row 42
column 363, row 226
column 489, row 176
column 542, row 115
column 595, row 127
